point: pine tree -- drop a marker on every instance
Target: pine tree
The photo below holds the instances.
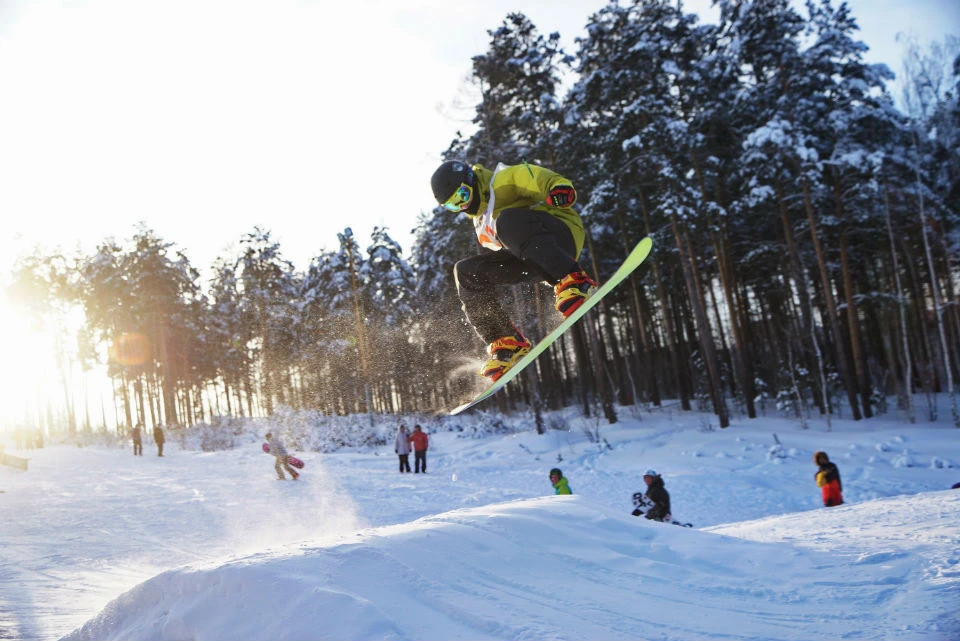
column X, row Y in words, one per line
column 267, row 282
column 389, row 283
column 519, row 111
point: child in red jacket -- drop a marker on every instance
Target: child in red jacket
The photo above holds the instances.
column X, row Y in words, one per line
column 828, row 480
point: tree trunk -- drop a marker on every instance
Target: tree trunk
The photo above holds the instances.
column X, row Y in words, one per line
column 832, row 318
column 673, row 345
column 743, row 370
column 901, row 309
column 853, row 321
column 705, row 334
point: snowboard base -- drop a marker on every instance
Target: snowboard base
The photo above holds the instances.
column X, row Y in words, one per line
column 633, row 260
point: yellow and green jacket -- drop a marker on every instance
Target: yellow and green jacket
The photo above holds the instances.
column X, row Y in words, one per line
column 519, row 186
column 563, row 485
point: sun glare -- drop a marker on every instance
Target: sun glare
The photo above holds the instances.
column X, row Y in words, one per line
column 21, row 370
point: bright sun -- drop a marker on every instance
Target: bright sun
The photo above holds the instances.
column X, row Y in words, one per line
column 24, row 378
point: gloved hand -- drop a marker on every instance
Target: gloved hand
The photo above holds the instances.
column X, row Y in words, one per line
column 637, row 512
column 562, row 196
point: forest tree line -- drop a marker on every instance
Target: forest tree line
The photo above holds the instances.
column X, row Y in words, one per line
column 805, row 233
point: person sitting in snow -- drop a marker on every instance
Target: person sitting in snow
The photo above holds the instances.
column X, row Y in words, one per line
column 828, row 480
column 559, row 482
column 656, row 497
column 280, row 455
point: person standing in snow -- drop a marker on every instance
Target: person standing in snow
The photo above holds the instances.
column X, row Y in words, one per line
column 559, row 482
column 158, row 438
column 658, row 495
column 137, row 436
column 828, row 480
column 525, row 222
column 402, row 447
column 280, row 455
column 420, row 444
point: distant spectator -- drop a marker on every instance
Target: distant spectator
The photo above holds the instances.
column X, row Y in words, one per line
column 828, row 480
column 420, row 444
column 559, row 482
column 658, row 496
column 402, row 447
column 158, row 438
column 280, row 454
column 137, row 436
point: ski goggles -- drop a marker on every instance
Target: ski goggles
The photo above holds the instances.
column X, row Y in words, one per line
column 460, row 199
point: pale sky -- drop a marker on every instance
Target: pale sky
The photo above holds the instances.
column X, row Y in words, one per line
column 205, row 118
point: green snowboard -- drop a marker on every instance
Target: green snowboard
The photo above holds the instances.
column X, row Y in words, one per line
column 637, row 256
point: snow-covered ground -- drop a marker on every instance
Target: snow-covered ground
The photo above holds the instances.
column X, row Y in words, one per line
column 98, row 544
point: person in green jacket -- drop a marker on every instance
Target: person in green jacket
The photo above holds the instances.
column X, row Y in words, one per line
column 524, row 219
column 559, row 481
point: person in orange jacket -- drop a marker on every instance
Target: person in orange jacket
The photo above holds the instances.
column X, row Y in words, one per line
column 828, row 480
column 420, row 444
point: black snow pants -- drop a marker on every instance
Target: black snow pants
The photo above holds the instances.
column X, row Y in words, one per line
column 536, row 247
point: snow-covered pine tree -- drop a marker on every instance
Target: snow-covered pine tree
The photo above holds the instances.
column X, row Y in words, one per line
column 229, row 339
column 519, row 111
column 761, row 41
column 267, row 283
column 389, row 285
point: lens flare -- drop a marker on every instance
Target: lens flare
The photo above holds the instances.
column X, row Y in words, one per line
column 130, row 349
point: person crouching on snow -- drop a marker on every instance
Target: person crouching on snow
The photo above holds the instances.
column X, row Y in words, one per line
column 559, row 481
column 280, row 454
column 658, row 495
column 828, row 480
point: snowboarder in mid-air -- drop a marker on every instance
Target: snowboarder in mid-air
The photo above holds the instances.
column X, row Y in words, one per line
column 524, row 219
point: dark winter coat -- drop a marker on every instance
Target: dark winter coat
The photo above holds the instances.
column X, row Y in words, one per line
column 657, row 493
column 158, row 436
column 828, row 480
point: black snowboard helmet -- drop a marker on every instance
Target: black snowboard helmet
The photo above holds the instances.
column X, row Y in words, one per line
column 449, row 176
column 556, row 471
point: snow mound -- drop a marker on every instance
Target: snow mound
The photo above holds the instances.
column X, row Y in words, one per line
column 563, row 567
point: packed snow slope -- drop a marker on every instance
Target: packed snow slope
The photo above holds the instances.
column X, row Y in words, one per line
column 98, row 544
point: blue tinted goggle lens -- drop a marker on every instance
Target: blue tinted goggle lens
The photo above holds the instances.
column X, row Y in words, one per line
column 460, row 198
